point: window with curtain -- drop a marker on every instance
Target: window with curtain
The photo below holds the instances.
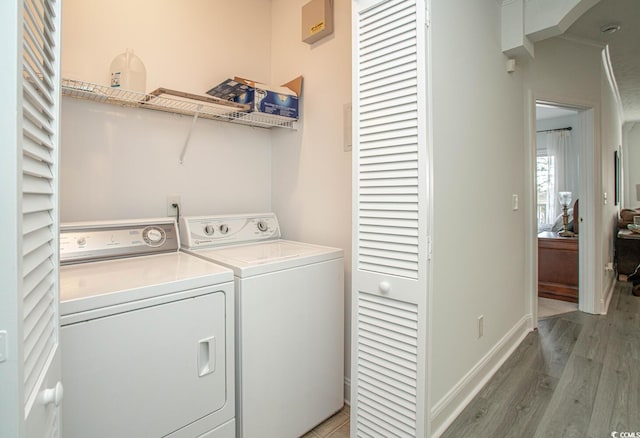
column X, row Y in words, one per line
column 556, row 171
column 545, row 188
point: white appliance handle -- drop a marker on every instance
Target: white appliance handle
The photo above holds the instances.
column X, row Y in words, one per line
column 206, row 356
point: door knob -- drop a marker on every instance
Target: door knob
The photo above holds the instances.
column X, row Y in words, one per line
column 53, row 395
column 384, row 287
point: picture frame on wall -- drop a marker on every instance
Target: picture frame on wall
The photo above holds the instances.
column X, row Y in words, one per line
column 616, row 163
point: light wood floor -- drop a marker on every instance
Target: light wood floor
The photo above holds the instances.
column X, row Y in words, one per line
column 548, row 307
column 577, row 376
column 334, row 427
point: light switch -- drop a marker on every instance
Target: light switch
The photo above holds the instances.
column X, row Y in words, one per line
column 514, row 202
column 347, row 123
column 3, row 346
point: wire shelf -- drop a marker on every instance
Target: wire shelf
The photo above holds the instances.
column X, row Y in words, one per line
column 185, row 106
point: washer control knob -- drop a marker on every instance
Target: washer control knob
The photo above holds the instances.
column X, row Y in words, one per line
column 154, row 235
column 224, row 228
column 262, row 226
column 208, row 230
column 81, row 241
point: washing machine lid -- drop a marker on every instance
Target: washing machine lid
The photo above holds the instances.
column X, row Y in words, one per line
column 270, row 256
column 94, row 285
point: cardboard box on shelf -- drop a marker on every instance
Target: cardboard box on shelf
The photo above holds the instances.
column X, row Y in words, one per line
column 279, row 101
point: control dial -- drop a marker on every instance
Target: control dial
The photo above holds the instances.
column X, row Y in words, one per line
column 224, row 228
column 154, row 236
column 208, row 230
column 262, row 226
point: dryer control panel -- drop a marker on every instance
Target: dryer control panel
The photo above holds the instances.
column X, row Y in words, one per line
column 91, row 241
column 207, row 231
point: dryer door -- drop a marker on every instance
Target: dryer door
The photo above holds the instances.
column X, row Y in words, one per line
column 146, row 372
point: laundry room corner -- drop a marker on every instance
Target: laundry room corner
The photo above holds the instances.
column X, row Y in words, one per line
column 311, row 168
column 120, row 162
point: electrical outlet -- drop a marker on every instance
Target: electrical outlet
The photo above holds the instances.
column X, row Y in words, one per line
column 173, row 199
column 480, row 326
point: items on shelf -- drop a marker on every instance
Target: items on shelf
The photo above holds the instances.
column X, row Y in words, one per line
column 128, row 72
column 277, row 101
column 176, row 102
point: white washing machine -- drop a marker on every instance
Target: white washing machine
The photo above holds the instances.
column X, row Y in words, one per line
column 289, row 322
column 147, row 334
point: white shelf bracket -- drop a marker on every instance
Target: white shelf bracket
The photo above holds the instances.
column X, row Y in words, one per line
column 186, row 142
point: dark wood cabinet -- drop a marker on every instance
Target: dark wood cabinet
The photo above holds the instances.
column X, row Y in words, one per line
column 627, row 252
column 558, row 267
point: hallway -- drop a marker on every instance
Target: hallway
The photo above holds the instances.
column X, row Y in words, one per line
column 577, row 376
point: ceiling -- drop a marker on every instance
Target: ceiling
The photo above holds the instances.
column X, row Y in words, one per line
column 624, row 46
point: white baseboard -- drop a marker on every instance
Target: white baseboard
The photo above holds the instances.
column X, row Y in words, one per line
column 449, row 407
column 347, row 391
column 606, row 300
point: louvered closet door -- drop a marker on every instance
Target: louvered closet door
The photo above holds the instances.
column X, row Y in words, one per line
column 389, row 314
column 31, row 212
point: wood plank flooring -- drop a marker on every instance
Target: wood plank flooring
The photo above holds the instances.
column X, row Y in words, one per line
column 577, row 376
column 336, row 426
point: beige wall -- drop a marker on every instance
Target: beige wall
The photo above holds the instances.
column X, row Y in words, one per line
column 187, row 45
column 311, row 172
column 478, row 252
column 121, row 162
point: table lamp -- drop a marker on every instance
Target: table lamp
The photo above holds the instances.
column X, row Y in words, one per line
column 565, row 199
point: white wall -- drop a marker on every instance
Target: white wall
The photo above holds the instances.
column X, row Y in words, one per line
column 631, row 158
column 187, row 45
column 311, row 173
column 611, row 141
column 123, row 162
column 120, row 162
column 478, row 258
column 566, row 71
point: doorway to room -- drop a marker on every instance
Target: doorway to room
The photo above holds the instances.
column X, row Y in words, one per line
column 557, row 205
column 559, row 145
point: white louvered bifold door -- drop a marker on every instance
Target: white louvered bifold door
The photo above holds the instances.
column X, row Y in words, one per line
column 391, row 168
column 32, row 212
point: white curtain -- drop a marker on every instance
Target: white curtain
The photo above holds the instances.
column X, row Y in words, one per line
column 563, row 172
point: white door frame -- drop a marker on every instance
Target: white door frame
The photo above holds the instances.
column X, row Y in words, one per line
column 30, row 409
column 11, row 377
column 590, row 193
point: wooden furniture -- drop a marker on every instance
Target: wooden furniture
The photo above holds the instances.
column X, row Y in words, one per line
column 627, row 252
column 558, row 267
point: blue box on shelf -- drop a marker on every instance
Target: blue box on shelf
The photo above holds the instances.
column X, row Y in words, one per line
column 279, row 101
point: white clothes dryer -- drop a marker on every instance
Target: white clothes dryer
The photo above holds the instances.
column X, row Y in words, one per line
column 289, row 321
column 147, row 334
